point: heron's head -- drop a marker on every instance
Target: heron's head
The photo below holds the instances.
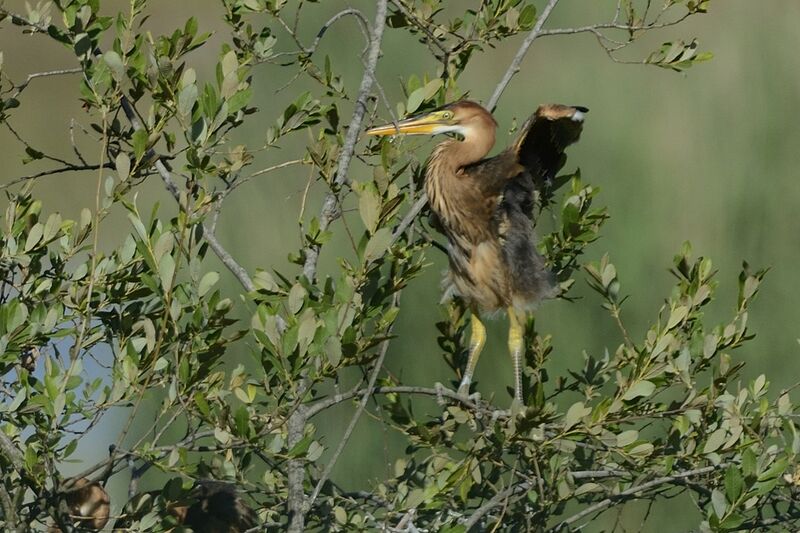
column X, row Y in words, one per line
column 465, row 118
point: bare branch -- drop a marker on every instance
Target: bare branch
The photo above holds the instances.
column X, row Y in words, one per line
column 50, row 73
column 438, row 392
column 418, row 206
column 513, row 68
column 242, row 181
column 51, row 172
column 628, row 493
column 330, row 209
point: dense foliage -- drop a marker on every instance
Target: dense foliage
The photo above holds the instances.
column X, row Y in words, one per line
column 87, row 333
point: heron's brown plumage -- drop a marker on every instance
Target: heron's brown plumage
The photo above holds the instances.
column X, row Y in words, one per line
column 484, row 206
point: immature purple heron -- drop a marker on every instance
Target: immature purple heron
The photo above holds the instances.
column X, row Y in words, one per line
column 485, row 207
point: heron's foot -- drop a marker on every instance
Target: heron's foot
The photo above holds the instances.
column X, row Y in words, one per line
column 463, row 388
column 440, row 393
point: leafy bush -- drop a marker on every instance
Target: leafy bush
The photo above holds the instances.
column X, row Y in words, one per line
column 144, row 330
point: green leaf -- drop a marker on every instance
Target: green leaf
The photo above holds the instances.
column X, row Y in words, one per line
column 676, row 316
column 719, row 503
column 164, row 245
column 52, row 227
column 207, row 282
column 422, row 94
column 715, row 440
column 642, row 388
column 340, row 515
column 369, row 207
column 297, row 296
column 186, row 100
column 263, row 280
column 166, row 271
column 333, row 349
column 378, row 244
column 301, row 447
column 586, row 488
column 242, row 421
column 749, row 463
column 114, row 62
column 123, row 166
column 229, row 63
column 642, row 450
column 575, row 413
column 527, row 17
column 662, row 344
column 627, row 437
column 16, row 314
column 34, row 236
column 139, row 143
column 734, row 484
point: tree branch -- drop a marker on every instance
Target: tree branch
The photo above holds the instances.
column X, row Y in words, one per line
column 60, row 170
column 437, row 392
column 330, row 209
column 418, row 206
column 513, row 68
column 12, row 453
column 59, row 72
column 227, row 259
column 630, row 492
column 9, row 510
column 365, row 396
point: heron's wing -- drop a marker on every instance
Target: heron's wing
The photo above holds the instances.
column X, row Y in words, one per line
column 544, row 137
column 538, row 154
column 539, row 150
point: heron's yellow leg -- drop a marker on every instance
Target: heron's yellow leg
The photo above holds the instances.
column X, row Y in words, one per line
column 516, row 347
column 477, row 339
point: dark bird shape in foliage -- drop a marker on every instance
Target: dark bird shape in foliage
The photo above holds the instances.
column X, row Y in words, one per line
column 210, row 507
column 484, row 206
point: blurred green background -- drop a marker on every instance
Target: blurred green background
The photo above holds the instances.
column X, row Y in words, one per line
column 709, row 156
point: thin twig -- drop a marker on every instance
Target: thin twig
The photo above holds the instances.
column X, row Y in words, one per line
column 513, row 68
column 365, row 396
column 504, row 495
column 438, row 392
column 261, row 172
column 59, row 72
column 424, row 27
column 60, row 170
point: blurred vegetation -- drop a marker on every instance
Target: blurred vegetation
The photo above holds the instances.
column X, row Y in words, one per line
column 111, row 263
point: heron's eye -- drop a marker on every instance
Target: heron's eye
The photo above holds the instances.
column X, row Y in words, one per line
column 447, row 115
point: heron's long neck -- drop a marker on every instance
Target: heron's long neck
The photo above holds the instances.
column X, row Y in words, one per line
column 444, row 171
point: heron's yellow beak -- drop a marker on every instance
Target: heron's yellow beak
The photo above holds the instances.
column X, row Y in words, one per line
column 429, row 124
